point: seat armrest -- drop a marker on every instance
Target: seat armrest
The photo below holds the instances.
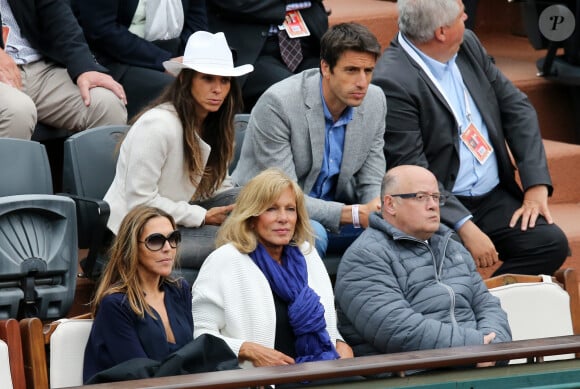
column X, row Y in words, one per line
column 92, row 217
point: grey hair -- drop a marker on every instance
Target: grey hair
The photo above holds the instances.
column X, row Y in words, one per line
column 389, row 183
column 418, row 19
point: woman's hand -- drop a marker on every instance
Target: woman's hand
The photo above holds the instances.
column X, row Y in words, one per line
column 263, row 356
column 216, row 215
column 344, row 350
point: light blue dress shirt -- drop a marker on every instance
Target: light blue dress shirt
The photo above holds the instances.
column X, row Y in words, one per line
column 473, row 178
column 325, row 186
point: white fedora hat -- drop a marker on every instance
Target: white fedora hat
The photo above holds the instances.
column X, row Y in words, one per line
column 210, row 54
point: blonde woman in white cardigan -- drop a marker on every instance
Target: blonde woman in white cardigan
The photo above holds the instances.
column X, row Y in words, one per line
column 175, row 157
column 265, row 291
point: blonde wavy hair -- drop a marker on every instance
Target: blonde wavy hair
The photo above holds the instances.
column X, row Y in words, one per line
column 254, row 199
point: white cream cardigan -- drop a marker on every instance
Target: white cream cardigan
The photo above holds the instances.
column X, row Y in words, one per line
column 233, row 300
column 151, row 170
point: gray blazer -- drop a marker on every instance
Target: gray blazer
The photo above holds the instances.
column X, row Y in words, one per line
column 286, row 130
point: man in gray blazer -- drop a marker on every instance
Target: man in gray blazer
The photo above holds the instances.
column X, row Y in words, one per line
column 451, row 110
column 324, row 128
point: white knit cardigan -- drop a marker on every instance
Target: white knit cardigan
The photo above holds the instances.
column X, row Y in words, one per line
column 151, row 170
column 233, row 300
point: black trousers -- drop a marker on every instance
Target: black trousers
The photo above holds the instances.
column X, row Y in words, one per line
column 142, row 85
column 538, row 250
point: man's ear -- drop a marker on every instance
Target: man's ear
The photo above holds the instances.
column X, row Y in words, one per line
column 439, row 34
column 324, row 69
column 389, row 205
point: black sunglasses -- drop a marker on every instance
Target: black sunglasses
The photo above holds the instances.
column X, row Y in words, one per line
column 423, row 197
column 155, row 242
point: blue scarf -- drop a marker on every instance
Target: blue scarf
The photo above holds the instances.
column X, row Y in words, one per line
column 290, row 282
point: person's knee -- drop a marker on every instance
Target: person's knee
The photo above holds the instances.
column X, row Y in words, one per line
column 559, row 243
column 17, row 116
column 196, row 244
column 549, row 245
column 105, row 109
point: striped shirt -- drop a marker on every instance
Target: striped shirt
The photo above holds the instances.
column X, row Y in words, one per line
column 16, row 45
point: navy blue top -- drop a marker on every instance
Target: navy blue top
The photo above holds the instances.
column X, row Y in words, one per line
column 118, row 334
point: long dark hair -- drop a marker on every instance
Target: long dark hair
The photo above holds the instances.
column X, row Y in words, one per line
column 217, row 130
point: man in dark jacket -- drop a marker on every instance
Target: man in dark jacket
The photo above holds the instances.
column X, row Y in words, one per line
column 406, row 285
column 47, row 72
column 117, row 32
column 252, row 30
column 451, row 110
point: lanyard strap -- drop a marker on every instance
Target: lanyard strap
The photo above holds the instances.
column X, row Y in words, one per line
column 413, row 54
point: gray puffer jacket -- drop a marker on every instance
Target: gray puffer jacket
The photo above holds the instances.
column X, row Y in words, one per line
column 397, row 293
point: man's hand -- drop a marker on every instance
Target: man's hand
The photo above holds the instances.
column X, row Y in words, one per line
column 479, row 245
column 88, row 80
column 176, row 59
column 263, row 356
column 487, row 340
column 364, row 211
column 9, row 72
column 535, row 203
column 344, row 350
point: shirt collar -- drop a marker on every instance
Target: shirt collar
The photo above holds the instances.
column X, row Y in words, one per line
column 344, row 118
column 438, row 69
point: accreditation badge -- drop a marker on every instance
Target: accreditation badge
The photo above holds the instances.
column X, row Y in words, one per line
column 476, row 143
column 295, row 25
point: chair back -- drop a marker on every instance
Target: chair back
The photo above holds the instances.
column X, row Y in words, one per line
column 38, row 256
column 558, row 65
column 11, row 357
column 38, row 252
column 62, row 343
column 90, row 160
column 5, row 376
column 536, row 306
column 67, row 352
column 240, row 125
column 24, row 168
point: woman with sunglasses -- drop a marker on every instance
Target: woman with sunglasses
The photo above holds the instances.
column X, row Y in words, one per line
column 139, row 310
column 176, row 154
column 265, row 290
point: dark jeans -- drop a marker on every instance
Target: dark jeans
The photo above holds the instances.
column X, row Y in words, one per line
column 331, row 242
column 538, row 250
column 198, row 242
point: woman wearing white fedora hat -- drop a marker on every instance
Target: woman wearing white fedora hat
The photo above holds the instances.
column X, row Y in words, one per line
column 176, row 154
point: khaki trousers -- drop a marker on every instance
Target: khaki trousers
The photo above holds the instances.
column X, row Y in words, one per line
column 50, row 96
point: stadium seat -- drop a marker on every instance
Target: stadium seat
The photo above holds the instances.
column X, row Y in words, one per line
column 11, row 359
column 240, row 125
column 38, row 253
column 562, row 61
column 90, row 159
column 54, row 353
column 539, row 306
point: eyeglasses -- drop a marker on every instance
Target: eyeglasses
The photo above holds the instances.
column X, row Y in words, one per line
column 423, row 197
column 155, row 242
